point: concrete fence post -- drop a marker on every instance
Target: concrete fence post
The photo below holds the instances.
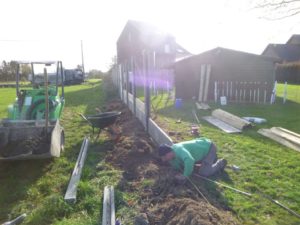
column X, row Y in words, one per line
column 273, row 95
column 284, row 92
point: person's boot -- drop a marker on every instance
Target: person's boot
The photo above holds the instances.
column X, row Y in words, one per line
column 208, row 170
column 223, row 163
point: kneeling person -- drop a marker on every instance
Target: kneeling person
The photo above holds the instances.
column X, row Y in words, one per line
column 187, row 154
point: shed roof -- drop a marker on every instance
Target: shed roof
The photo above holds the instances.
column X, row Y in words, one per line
column 286, row 52
column 221, row 51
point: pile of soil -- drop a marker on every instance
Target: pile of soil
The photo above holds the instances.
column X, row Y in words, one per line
column 32, row 145
column 163, row 202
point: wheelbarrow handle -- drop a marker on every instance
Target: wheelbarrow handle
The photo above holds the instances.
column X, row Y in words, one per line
column 85, row 119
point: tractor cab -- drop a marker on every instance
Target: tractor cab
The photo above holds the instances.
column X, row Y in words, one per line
column 30, row 102
column 32, row 128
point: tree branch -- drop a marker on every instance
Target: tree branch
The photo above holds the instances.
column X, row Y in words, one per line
column 275, row 4
column 293, row 9
column 282, row 17
column 278, row 9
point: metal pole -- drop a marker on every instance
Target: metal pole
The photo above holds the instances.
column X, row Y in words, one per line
column 147, row 92
column 133, row 83
column 56, row 80
column 250, row 195
column 198, row 190
column 82, row 59
column 127, row 82
column 46, row 101
column 231, row 188
column 32, row 70
column 17, row 80
column 281, row 205
column 62, row 80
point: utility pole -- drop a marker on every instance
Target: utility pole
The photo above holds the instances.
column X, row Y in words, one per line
column 82, row 59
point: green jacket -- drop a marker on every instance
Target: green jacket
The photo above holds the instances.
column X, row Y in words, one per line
column 189, row 152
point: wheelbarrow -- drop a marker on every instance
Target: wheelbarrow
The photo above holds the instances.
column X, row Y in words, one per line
column 102, row 121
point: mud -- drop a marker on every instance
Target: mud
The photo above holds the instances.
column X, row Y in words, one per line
column 32, row 145
column 162, row 201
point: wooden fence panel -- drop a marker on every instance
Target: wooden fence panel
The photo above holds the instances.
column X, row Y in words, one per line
column 241, row 92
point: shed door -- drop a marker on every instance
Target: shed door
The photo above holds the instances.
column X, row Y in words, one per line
column 205, row 71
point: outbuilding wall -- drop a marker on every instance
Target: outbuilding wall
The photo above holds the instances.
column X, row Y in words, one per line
column 233, row 69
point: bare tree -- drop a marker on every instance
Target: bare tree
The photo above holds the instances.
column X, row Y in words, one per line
column 278, row 9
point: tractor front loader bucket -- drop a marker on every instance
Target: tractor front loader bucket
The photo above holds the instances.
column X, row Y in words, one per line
column 29, row 139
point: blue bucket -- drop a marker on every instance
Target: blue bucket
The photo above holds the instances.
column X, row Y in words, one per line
column 178, row 103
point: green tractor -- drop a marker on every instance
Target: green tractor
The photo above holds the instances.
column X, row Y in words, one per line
column 32, row 129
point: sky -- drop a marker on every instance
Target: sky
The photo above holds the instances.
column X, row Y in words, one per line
column 53, row 30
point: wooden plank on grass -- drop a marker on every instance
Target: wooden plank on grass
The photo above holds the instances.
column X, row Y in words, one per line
column 279, row 138
column 222, row 125
column 231, row 119
column 202, row 105
column 291, row 134
column 71, row 192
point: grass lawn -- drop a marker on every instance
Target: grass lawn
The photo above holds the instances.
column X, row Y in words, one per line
column 266, row 166
column 38, row 187
column 293, row 92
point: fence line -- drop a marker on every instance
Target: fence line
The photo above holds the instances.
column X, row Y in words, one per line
column 241, row 92
column 136, row 106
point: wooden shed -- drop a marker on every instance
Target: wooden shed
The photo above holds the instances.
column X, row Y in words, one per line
column 240, row 76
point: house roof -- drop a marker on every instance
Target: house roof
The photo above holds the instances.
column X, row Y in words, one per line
column 220, row 51
column 182, row 52
column 294, row 39
column 286, row 52
column 147, row 28
column 152, row 36
column 148, row 34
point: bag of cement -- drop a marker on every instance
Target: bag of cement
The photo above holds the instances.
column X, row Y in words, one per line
column 256, row 120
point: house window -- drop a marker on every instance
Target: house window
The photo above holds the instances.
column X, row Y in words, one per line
column 167, row 48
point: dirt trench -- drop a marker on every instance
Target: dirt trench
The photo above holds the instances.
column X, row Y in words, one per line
column 162, row 202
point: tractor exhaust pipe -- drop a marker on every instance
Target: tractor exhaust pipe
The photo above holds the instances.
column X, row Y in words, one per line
column 46, row 102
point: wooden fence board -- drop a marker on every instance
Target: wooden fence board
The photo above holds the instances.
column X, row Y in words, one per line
column 278, row 138
column 222, row 125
